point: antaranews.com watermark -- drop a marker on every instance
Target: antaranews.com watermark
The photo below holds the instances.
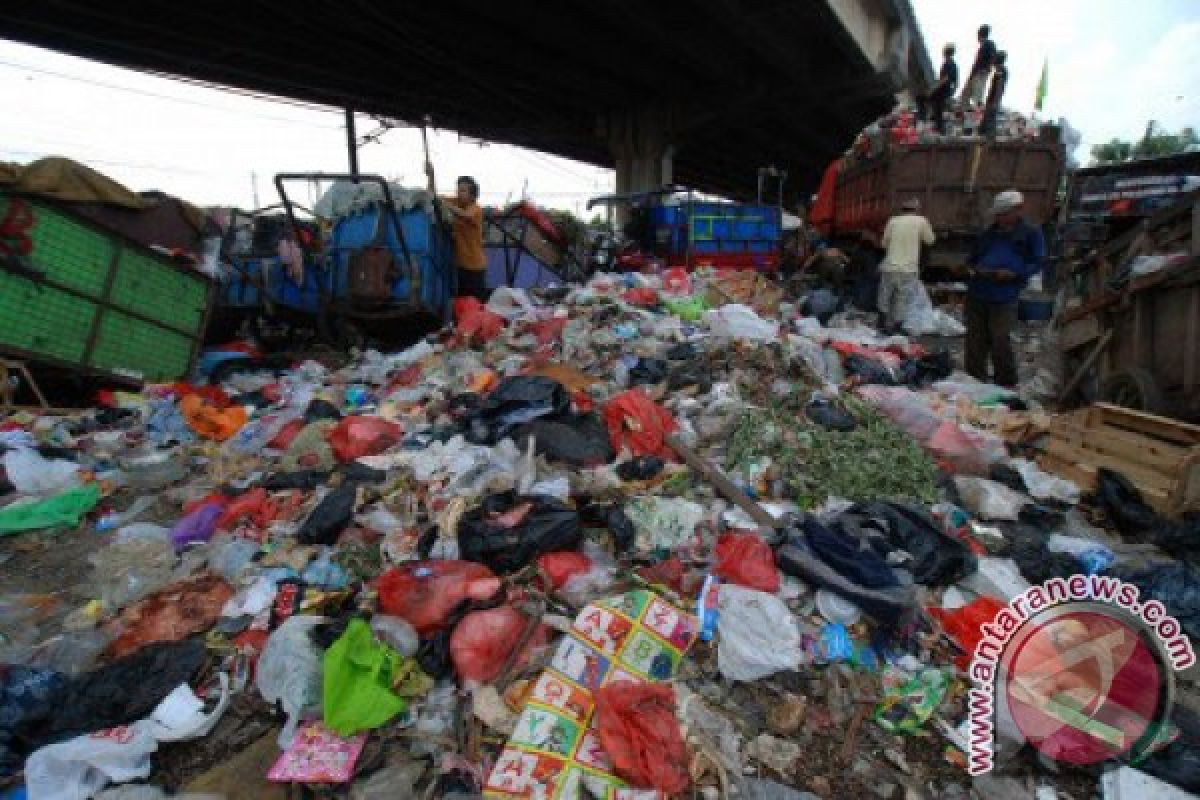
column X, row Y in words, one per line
column 1082, row 667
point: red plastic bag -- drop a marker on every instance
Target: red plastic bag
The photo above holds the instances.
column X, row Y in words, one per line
column 472, row 321
column 668, row 573
column 283, row 439
column 550, row 330
column 964, row 625
column 484, row 640
column 355, row 437
column 746, row 559
column 561, row 567
column 638, row 730
column 426, row 592
column 255, row 504
column 677, row 281
column 642, row 296
column 639, row 424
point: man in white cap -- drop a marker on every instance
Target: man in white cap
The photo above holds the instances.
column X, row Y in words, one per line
column 901, row 268
column 1005, row 257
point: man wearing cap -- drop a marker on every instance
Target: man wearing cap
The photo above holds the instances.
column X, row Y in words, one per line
column 1005, row 257
column 901, row 268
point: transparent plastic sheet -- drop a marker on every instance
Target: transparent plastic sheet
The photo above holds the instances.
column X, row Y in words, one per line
column 735, row 321
column 757, row 633
column 989, row 499
column 30, row 473
column 289, row 671
column 139, row 560
column 1043, row 485
column 960, row 449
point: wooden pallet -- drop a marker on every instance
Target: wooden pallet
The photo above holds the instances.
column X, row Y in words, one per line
column 1160, row 456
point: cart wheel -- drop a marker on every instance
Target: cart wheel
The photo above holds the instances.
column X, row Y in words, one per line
column 1134, row 388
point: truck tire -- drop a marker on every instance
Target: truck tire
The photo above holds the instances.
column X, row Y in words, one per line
column 1133, row 388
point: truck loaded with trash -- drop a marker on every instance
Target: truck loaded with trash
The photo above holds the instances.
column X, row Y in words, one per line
column 408, row 487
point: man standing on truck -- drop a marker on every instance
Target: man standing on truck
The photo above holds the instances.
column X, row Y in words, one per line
column 466, row 231
column 900, row 272
column 944, row 89
column 981, row 69
column 1005, row 257
column 995, row 95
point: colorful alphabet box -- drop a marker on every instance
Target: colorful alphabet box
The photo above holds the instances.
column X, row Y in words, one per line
column 555, row 753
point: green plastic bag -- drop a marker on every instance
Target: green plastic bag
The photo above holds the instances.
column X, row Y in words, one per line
column 906, row 709
column 357, row 693
column 62, row 509
column 688, row 309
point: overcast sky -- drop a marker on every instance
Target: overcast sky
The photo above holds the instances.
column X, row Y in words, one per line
column 1114, row 64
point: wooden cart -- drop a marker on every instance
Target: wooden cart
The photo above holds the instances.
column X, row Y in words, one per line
column 1134, row 339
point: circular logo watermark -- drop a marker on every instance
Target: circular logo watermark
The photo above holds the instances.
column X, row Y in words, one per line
column 1085, row 682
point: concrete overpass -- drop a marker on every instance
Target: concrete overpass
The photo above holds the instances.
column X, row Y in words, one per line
column 701, row 93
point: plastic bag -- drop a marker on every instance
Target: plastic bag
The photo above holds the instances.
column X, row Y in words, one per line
column 511, row 303
column 989, row 499
column 642, row 468
column 61, row 510
column 580, row 440
column 172, row 613
column 516, row 401
column 899, row 529
column 1176, row 586
column 286, row 434
column 355, row 437
column 484, row 640
column 473, row 322
column 310, row 450
column 357, row 679
column 209, row 421
column 197, row 526
column 1123, row 503
column 736, row 321
column 396, row 633
column 811, row 355
column 331, row 516
column 1094, row 556
column 638, row 730
column 906, row 709
column 1043, row 485
column 829, row 416
column 289, row 670
column 637, row 424
column 887, row 604
column 865, row 369
column 758, row 635
column 426, row 593
column 965, row 625
column 662, row 523
column 139, row 560
column 508, row 531
column 746, row 559
column 561, row 567
column 27, row 696
column 30, row 473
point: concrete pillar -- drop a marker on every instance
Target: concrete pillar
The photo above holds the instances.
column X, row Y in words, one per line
column 640, row 141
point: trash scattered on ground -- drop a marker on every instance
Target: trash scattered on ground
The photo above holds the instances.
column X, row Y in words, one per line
column 658, row 538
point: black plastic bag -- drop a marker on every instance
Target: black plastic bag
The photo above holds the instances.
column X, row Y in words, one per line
column 936, row 558
column 688, row 375
column 1123, row 503
column 320, row 409
column 1179, row 762
column 354, row 472
column 868, row 370
column 498, row 535
column 926, row 370
column 1176, row 586
column 126, row 690
column 648, row 371
column 302, row 479
column 621, row 527
column 28, row 697
column 641, row 468
column 829, row 416
column 464, row 404
column 433, row 655
column 1027, row 548
column 580, row 440
column 851, row 557
column 822, row 304
column 1003, row 473
column 330, row 517
column 515, row 402
column 684, row 351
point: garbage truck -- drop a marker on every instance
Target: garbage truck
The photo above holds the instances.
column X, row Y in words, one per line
column 955, row 180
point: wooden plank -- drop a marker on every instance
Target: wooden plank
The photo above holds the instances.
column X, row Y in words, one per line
column 1079, row 332
column 1154, row 453
column 1085, row 367
column 1140, row 475
column 1169, row 429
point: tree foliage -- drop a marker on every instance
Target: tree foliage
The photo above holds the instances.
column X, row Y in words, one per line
column 1155, row 142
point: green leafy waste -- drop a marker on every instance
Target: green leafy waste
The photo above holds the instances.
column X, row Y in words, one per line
column 875, row 461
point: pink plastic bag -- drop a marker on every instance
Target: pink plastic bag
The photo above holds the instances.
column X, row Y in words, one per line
column 482, row 643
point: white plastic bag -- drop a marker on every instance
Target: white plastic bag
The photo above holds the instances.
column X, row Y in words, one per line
column 30, row 473
column 511, row 303
column 1043, row 485
column 736, row 321
column 757, row 633
column 289, row 671
column 989, row 499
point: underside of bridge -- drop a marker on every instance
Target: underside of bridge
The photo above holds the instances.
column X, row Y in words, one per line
column 703, row 93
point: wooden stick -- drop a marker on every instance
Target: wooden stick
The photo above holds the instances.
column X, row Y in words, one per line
column 721, row 483
column 1088, row 361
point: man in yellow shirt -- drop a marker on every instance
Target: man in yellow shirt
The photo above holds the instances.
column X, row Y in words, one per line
column 466, row 231
column 901, row 268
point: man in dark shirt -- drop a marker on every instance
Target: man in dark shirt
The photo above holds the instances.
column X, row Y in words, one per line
column 1005, row 257
column 995, row 95
column 944, row 89
column 984, row 57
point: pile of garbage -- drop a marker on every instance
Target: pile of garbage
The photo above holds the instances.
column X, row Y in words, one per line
column 600, row 542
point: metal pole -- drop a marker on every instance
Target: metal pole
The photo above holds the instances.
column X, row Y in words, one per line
column 351, row 145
